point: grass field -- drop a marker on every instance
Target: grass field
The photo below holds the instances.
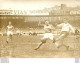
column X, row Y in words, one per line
column 23, row 47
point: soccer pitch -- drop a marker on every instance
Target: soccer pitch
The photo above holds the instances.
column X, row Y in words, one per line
column 23, row 47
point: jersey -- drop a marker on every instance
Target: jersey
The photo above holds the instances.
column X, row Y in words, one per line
column 66, row 27
column 48, row 28
column 10, row 28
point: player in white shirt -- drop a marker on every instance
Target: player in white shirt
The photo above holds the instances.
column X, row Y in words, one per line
column 48, row 33
column 9, row 32
column 66, row 29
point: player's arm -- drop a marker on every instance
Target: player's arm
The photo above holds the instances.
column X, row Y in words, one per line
column 59, row 25
column 40, row 24
column 12, row 27
column 52, row 27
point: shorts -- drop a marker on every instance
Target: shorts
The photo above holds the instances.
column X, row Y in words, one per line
column 48, row 36
column 59, row 43
column 9, row 33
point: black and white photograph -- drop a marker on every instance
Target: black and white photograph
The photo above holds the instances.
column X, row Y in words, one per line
column 39, row 28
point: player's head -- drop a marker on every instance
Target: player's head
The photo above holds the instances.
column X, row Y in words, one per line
column 65, row 21
column 46, row 22
column 9, row 22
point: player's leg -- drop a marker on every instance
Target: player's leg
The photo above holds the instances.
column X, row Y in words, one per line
column 11, row 37
column 67, row 47
column 51, row 37
column 54, row 40
column 58, row 44
column 61, row 39
column 78, row 37
column 65, row 35
column 43, row 40
column 8, row 38
column 10, row 44
column 18, row 32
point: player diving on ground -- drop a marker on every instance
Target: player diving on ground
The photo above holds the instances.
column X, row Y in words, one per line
column 48, row 28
